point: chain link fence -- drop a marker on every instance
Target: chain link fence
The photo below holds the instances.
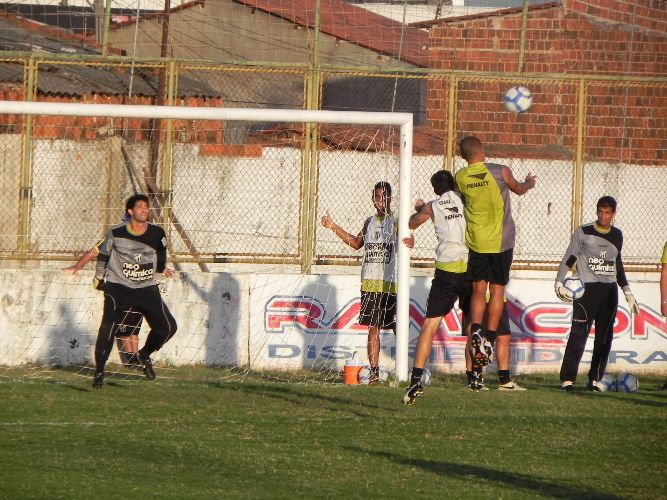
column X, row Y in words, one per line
column 255, row 192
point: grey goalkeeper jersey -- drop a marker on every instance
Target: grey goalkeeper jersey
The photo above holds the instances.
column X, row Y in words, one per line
column 129, row 259
column 597, row 255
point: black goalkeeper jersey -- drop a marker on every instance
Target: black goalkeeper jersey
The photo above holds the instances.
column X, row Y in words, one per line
column 132, row 260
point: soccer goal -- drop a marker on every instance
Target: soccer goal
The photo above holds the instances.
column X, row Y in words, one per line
column 260, row 283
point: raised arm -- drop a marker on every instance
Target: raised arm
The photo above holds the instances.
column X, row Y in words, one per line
column 423, row 212
column 355, row 242
column 515, row 186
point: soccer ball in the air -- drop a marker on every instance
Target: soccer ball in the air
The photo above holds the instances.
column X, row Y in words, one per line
column 627, row 382
column 518, row 99
column 575, row 286
column 607, row 383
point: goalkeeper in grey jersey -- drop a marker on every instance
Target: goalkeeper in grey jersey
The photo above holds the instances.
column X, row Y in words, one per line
column 129, row 257
column 595, row 249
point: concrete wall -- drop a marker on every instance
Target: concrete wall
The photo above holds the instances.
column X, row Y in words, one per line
column 250, row 205
column 291, row 321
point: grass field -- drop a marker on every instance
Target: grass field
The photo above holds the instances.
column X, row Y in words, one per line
column 198, row 434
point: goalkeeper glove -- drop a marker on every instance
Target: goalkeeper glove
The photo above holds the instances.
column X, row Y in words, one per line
column 563, row 293
column 632, row 302
column 98, row 283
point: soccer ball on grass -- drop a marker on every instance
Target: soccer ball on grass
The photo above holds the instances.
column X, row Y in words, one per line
column 607, row 383
column 627, row 382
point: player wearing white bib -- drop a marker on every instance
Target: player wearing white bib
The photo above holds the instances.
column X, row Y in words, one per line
column 379, row 237
column 451, row 257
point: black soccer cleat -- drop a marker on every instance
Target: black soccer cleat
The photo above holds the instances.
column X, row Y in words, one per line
column 476, row 383
column 146, row 364
column 412, row 393
column 567, row 386
column 98, row 380
column 594, row 386
column 480, row 349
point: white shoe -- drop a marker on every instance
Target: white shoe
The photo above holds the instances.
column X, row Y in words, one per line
column 511, row 386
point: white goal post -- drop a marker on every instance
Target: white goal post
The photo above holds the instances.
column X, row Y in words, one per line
column 402, row 120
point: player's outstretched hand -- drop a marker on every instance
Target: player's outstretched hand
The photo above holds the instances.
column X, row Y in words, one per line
column 419, row 204
column 327, row 221
column 531, row 180
column 632, row 302
column 563, row 293
column 71, row 269
column 409, row 241
column 168, row 273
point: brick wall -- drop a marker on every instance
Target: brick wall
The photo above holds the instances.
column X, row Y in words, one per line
column 602, row 37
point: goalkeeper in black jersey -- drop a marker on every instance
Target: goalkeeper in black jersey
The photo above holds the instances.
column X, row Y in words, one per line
column 129, row 258
column 595, row 249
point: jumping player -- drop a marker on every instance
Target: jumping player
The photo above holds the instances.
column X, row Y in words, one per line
column 595, row 248
column 129, row 257
column 502, row 355
column 449, row 283
column 490, row 234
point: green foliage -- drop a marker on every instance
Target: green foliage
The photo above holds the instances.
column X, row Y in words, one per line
column 205, row 433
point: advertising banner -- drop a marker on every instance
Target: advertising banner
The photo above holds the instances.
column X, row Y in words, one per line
column 317, row 326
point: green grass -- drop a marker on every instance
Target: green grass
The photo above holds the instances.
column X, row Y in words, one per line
column 196, row 434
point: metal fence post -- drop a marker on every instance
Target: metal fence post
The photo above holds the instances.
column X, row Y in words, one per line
column 451, row 123
column 25, row 195
column 309, row 172
column 578, row 177
column 167, row 174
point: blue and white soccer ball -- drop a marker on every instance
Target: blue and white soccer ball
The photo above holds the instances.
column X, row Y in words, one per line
column 627, row 382
column 575, row 286
column 607, row 383
column 365, row 374
column 518, row 99
column 426, row 377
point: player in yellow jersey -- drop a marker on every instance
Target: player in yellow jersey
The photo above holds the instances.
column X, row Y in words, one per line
column 490, row 235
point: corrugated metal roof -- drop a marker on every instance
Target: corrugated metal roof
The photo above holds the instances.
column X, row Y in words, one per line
column 79, row 79
column 355, row 25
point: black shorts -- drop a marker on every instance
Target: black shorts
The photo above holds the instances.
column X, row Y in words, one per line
column 446, row 289
column 493, row 268
column 378, row 309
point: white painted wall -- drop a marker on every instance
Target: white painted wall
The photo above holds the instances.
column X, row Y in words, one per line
column 251, row 205
column 291, row 321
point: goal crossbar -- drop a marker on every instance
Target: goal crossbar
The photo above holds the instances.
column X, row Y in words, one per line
column 402, row 120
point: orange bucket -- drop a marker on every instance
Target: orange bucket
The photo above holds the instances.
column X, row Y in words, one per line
column 351, row 371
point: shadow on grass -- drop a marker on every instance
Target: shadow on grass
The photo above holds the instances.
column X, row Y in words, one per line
column 111, row 379
column 513, row 479
column 297, row 396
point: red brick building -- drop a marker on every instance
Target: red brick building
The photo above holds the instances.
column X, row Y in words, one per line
column 622, row 38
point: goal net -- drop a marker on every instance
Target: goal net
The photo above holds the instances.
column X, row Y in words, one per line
column 260, row 286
